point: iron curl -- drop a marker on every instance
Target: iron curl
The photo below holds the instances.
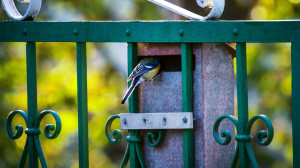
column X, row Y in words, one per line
column 224, row 133
column 19, row 128
column 154, row 139
column 49, row 127
column 263, row 137
column 114, row 136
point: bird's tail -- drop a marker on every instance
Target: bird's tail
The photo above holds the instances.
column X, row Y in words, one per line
column 134, row 83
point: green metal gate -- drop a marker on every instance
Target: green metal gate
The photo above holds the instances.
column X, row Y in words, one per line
column 183, row 32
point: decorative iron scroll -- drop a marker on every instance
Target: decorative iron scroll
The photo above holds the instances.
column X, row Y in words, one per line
column 32, row 10
column 244, row 137
column 133, row 138
column 33, row 132
column 217, row 8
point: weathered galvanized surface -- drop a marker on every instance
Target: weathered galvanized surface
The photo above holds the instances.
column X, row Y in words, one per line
column 213, row 96
column 140, row 121
column 217, row 7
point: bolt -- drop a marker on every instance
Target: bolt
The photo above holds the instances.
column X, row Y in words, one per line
column 184, row 120
column 127, row 32
column 75, row 32
column 235, row 31
column 124, row 121
column 181, row 32
column 164, row 121
column 25, row 32
column 144, row 120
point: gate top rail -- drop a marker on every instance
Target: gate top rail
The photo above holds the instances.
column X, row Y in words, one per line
column 150, row 31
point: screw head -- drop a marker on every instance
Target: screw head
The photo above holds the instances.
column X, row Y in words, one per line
column 25, row 31
column 124, row 121
column 75, row 32
column 235, row 31
column 184, row 120
column 181, row 32
column 127, row 32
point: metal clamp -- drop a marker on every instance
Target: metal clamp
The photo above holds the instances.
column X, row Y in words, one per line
column 143, row 121
column 32, row 10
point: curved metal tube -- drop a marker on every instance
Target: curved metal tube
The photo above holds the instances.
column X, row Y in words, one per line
column 34, row 132
column 151, row 137
column 224, row 133
column 262, row 134
column 244, row 137
column 32, row 10
column 215, row 13
column 19, row 128
column 116, row 135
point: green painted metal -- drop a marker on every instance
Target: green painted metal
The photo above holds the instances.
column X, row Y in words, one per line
column 33, row 133
column 116, row 135
column 153, row 139
column 133, row 151
column 31, row 98
column 295, row 52
column 187, row 102
column 141, row 31
column 242, row 98
column 33, row 145
column 244, row 138
column 131, row 32
column 82, row 106
column 133, row 101
column 243, row 151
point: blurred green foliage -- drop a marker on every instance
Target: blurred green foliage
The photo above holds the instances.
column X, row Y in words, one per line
column 269, row 79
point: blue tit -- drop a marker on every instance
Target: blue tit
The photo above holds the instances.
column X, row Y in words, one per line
column 146, row 70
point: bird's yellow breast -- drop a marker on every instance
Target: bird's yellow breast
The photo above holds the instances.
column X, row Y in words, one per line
column 150, row 74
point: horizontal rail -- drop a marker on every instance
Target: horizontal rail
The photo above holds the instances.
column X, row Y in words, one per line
column 158, row 31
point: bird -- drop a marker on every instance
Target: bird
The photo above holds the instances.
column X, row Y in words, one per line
column 146, row 70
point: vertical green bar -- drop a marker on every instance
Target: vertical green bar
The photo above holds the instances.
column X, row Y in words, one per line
column 133, row 99
column 187, row 102
column 31, row 99
column 82, row 106
column 242, row 99
column 296, row 100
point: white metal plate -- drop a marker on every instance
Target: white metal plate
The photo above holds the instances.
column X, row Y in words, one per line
column 141, row 121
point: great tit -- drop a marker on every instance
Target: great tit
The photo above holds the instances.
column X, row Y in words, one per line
column 146, row 70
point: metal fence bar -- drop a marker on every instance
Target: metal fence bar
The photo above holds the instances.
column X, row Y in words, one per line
column 295, row 54
column 242, row 99
column 31, row 100
column 187, row 102
column 82, row 106
column 133, row 101
column 221, row 31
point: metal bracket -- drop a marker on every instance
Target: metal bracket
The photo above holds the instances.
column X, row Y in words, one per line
column 143, row 121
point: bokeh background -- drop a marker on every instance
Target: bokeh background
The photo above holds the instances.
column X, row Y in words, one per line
column 269, row 79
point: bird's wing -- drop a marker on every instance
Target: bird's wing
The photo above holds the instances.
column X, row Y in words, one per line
column 134, row 83
column 141, row 69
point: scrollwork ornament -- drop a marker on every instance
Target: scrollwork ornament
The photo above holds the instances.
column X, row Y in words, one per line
column 154, row 139
column 31, row 12
column 34, row 132
column 114, row 136
column 244, row 137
